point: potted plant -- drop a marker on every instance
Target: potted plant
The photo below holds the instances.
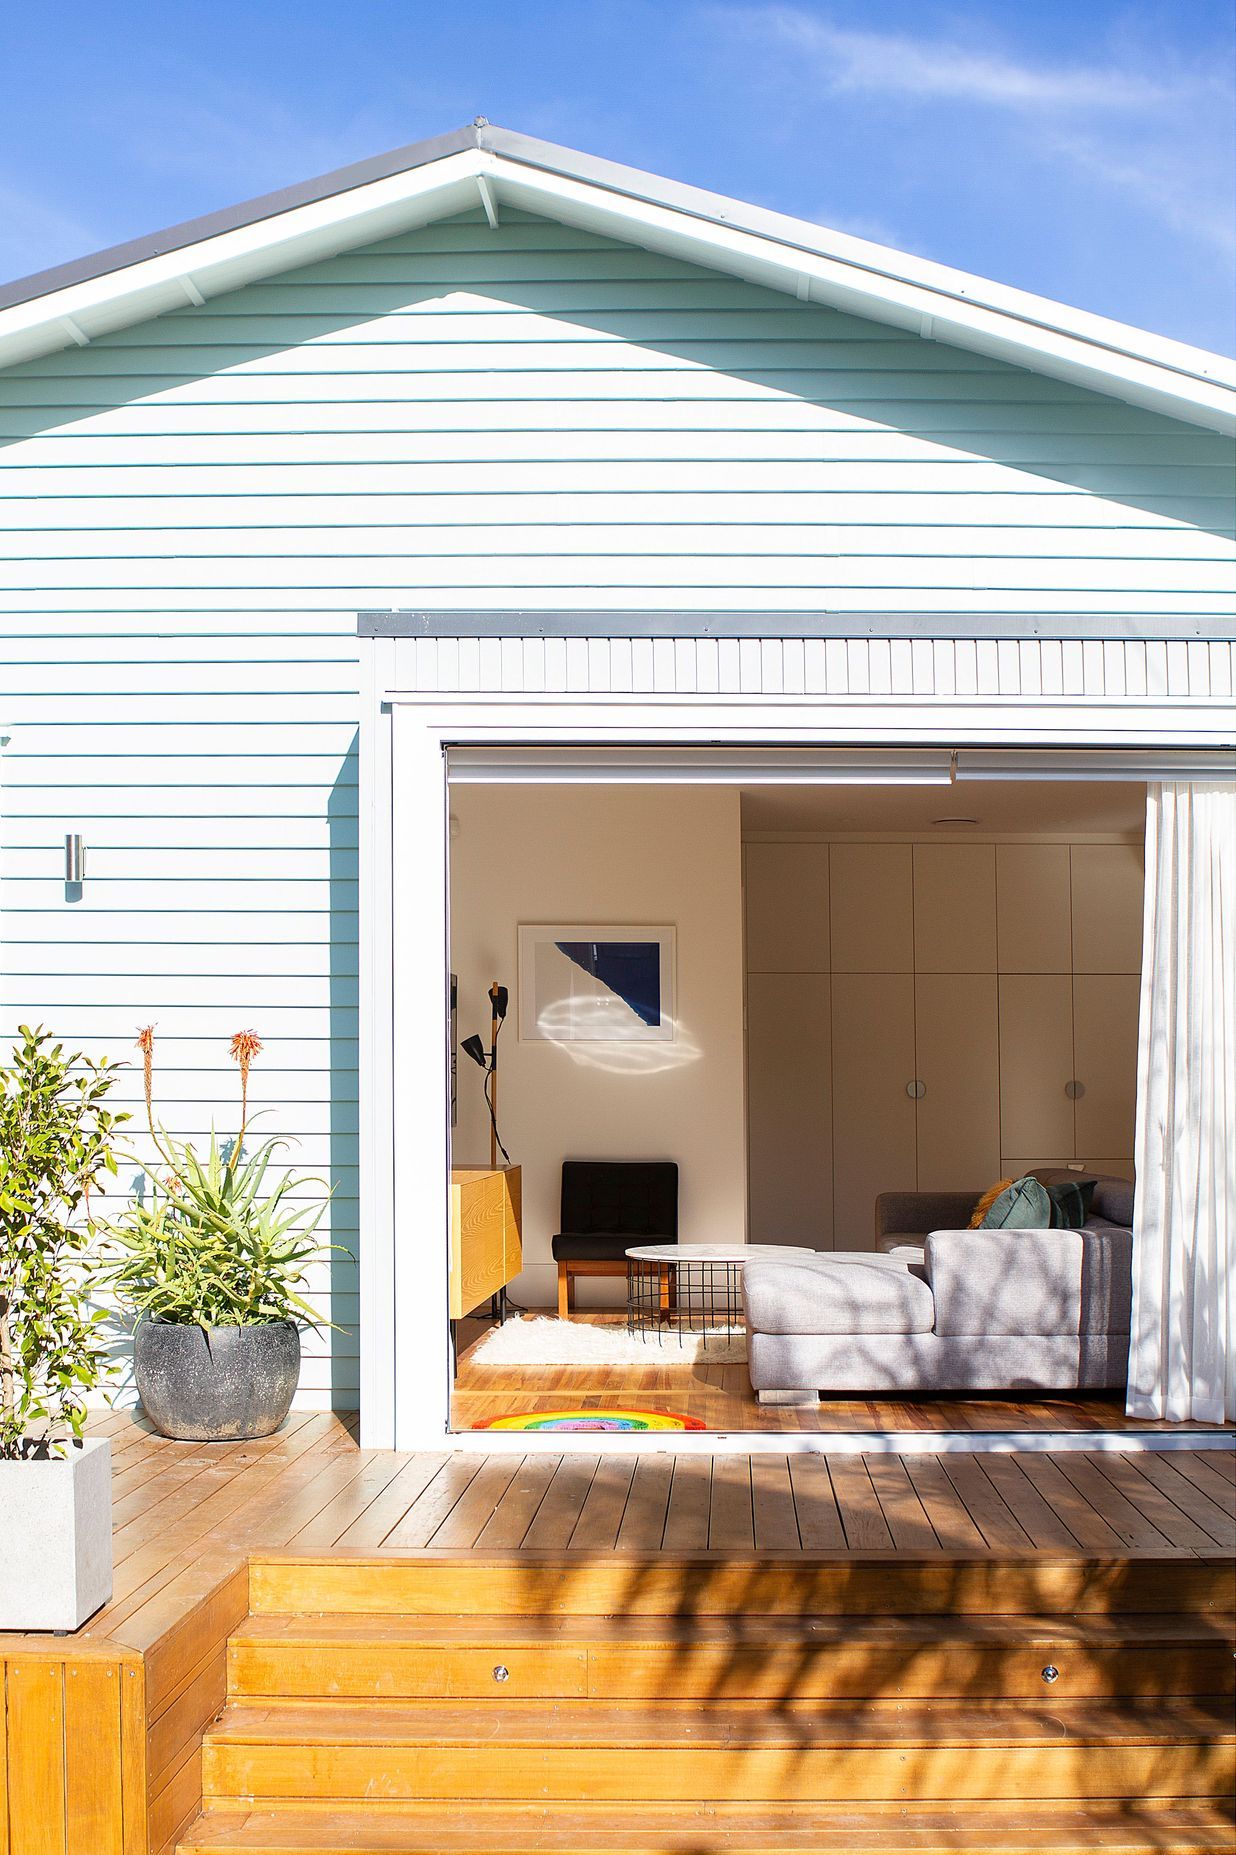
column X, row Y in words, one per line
column 55, row 1482
column 212, row 1257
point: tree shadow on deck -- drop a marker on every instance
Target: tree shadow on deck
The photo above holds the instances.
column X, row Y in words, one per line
column 889, row 1645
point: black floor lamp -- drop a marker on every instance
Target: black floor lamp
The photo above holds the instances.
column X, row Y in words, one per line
column 488, row 1062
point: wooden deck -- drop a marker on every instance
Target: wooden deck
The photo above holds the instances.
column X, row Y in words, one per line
column 185, row 1512
column 720, row 1397
column 104, row 1728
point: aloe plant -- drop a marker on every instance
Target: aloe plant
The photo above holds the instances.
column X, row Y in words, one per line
column 214, row 1246
column 210, row 1241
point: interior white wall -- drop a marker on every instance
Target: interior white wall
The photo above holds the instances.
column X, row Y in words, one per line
column 649, row 856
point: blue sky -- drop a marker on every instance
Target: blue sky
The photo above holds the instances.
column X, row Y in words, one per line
column 1079, row 148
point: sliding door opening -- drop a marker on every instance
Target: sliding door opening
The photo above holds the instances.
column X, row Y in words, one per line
column 799, row 983
column 835, row 1015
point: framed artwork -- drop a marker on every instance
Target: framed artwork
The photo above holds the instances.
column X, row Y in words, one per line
column 596, row 984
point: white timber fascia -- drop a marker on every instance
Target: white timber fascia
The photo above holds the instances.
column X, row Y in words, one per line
column 932, row 301
column 791, row 256
column 246, row 254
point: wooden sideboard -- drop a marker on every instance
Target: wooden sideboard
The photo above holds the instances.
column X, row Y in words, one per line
column 486, row 1239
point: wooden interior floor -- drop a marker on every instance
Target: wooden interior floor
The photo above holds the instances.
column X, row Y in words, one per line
column 720, row 1397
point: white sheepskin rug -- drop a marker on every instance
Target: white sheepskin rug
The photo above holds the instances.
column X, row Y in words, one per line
column 541, row 1340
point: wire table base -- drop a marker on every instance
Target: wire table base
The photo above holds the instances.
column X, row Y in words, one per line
column 700, row 1298
column 693, row 1288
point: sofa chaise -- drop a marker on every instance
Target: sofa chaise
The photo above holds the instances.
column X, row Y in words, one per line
column 985, row 1310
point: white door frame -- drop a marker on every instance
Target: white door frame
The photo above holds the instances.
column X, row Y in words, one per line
column 404, row 919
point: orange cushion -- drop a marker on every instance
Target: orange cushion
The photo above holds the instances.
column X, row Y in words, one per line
column 986, row 1201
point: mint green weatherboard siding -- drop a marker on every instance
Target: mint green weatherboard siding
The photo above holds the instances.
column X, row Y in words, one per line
column 194, row 510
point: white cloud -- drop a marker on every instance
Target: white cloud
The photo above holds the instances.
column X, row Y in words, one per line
column 895, row 63
column 1160, row 137
column 899, row 64
column 1163, row 181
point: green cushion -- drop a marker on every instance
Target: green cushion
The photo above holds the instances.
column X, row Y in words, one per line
column 1070, row 1203
column 1025, row 1205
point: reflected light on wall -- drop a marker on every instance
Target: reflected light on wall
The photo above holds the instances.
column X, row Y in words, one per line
column 625, row 1058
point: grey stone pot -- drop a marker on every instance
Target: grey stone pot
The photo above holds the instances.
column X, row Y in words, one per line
column 216, row 1384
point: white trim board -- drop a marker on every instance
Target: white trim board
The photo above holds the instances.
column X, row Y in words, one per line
column 863, row 739
column 836, row 1443
column 405, row 934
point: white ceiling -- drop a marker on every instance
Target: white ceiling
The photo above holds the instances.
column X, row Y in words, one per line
column 1000, row 806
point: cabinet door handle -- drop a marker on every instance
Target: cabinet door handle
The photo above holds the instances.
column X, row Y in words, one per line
column 916, row 1090
column 1075, row 1089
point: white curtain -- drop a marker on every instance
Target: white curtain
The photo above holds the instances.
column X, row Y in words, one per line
column 1182, row 1354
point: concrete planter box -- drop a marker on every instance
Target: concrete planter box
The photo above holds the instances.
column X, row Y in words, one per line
column 56, row 1538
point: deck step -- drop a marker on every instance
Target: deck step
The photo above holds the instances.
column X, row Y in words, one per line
column 469, row 1829
column 775, row 1658
column 667, row 1751
column 727, row 1584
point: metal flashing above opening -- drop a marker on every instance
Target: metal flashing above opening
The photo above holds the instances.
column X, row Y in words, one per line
column 978, row 626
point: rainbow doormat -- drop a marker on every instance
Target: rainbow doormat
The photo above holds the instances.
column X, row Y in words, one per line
column 592, row 1421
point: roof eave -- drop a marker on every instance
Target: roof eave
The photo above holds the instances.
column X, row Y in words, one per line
column 428, row 180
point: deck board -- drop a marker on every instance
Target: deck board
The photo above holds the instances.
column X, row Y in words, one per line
column 1033, row 1513
column 600, row 1517
column 731, row 1516
column 904, row 1515
column 686, row 1523
column 643, row 1519
column 515, row 1512
column 772, row 1502
column 1176, row 1481
column 556, row 1517
column 820, row 1526
column 950, row 1517
column 866, row 1529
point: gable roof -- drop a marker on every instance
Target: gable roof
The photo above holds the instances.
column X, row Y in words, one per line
column 482, row 164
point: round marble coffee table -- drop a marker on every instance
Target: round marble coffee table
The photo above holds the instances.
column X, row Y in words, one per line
column 692, row 1287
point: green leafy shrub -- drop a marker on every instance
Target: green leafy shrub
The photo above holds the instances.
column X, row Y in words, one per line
column 56, row 1139
column 207, row 1241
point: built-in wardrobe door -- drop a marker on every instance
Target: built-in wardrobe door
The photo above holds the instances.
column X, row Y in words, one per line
column 874, row 1146
column 955, row 908
column 1034, row 927
column 1036, row 1065
column 786, row 893
column 1108, row 886
column 958, row 1069
column 871, row 899
column 1105, row 1007
column 789, row 1054
column 789, row 1109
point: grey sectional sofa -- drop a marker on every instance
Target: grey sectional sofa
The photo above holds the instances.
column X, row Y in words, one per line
column 906, row 1217
column 985, row 1310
